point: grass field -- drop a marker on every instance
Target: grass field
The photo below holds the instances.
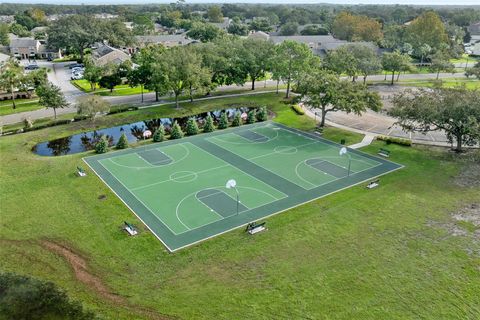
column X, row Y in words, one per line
column 22, row 105
column 120, row 90
column 178, row 187
column 356, row 254
column 472, row 83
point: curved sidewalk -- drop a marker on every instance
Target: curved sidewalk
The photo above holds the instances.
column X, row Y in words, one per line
column 373, row 123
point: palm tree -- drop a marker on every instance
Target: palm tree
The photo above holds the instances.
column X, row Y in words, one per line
column 11, row 75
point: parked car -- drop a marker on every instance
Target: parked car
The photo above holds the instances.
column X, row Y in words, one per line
column 77, row 75
column 32, row 67
column 76, row 69
column 49, row 58
column 75, row 65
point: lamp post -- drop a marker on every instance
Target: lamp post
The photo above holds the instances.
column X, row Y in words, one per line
column 232, row 184
column 342, row 152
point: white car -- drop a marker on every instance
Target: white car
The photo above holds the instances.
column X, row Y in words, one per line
column 77, row 75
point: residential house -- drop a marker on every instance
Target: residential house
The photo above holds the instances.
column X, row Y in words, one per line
column 29, row 48
column 167, row 40
column 104, row 54
column 105, row 16
column 7, row 19
column 474, row 28
column 3, row 58
column 224, row 24
column 320, row 45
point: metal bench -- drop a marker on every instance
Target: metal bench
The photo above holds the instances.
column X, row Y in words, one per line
column 384, row 153
column 253, row 227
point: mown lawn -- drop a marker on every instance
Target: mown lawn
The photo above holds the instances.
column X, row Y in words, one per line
column 22, row 105
column 356, row 254
column 471, row 83
column 120, row 90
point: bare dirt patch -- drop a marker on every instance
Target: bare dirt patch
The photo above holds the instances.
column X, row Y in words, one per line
column 469, row 175
column 465, row 222
column 80, row 268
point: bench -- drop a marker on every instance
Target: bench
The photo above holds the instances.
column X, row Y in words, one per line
column 253, row 227
column 130, row 229
column 373, row 184
column 81, row 172
column 384, row 153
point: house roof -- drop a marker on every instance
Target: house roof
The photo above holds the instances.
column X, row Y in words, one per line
column 164, row 38
column 3, row 57
column 105, row 54
column 23, row 42
column 39, row 29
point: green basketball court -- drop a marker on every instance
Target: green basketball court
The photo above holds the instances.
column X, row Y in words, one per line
column 178, row 188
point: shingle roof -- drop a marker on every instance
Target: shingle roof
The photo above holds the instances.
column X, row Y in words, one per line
column 164, row 38
column 23, row 42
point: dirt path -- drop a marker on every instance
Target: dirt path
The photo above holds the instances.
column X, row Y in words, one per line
column 83, row 274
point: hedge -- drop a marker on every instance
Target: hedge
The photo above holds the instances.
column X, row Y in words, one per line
column 298, row 110
column 399, row 141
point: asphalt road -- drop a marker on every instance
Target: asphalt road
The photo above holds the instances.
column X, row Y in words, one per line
column 59, row 74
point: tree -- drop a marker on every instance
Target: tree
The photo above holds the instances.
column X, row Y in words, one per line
column 356, row 28
column 214, row 14
column 456, row 111
column 251, row 116
column 237, row 120
column 238, row 29
column 182, row 69
column 176, row 132
column 291, row 60
column 139, row 77
column 122, row 142
column 208, row 126
column 92, row 73
column 159, row 134
column 262, row 114
column 4, row 30
column 223, row 122
column 75, row 33
column 289, row 29
column 395, row 62
column 102, row 145
column 19, row 30
column 110, row 81
column 324, row 90
column 51, row 96
column 205, row 32
column 441, row 62
column 11, row 76
column 24, row 297
column 422, row 52
column 261, row 24
column 255, row 58
column 474, row 71
column 428, row 29
column 91, row 106
column 342, row 61
column 313, row 30
column 147, row 72
column 192, row 127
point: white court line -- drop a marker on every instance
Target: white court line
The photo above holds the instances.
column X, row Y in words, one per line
column 222, row 217
column 150, row 166
column 147, row 207
column 246, row 140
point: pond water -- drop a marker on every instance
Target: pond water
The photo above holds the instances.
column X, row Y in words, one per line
column 134, row 131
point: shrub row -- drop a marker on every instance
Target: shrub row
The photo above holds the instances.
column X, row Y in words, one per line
column 120, row 109
column 176, row 131
column 399, row 141
column 298, row 110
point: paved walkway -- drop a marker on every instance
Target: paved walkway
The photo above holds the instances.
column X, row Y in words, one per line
column 367, row 139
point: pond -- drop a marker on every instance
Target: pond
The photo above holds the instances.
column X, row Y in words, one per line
column 134, row 131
